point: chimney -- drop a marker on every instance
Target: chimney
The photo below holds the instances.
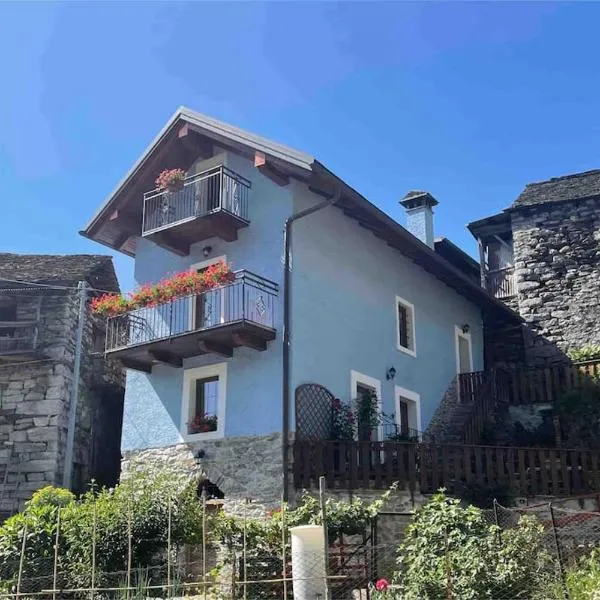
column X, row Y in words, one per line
column 419, row 215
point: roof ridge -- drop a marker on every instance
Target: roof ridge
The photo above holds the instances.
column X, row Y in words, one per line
column 563, row 177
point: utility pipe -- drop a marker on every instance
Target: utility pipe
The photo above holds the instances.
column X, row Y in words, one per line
column 287, row 280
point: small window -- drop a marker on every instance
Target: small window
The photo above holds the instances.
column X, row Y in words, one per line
column 205, row 409
column 405, row 314
column 98, row 339
column 408, row 415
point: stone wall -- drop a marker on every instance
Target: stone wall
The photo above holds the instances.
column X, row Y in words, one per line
column 34, row 404
column 242, row 467
column 557, row 267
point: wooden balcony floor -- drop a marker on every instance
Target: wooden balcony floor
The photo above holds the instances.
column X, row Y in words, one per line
column 219, row 340
column 180, row 235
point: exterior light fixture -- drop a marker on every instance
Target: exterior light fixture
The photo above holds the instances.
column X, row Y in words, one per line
column 391, row 373
column 206, row 251
column 466, row 328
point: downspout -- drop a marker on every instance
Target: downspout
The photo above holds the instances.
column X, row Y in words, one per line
column 287, row 279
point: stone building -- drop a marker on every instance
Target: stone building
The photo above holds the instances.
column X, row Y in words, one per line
column 39, row 314
column 542, row 257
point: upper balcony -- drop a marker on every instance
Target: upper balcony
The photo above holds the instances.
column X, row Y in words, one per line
column 241, row 313
column 213, row 203
column 18, row 339
column 501, row 282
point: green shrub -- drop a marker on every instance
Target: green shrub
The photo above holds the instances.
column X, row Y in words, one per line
column 453, row 552
column 51, row 496
column 583, row 582
column 587, row 352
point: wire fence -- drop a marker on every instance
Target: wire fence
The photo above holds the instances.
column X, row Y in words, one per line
column 346, row 567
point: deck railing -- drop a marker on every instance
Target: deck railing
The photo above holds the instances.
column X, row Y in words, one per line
column 218, row 189
column 523, row 471
column 249, row 298
column 501, row 282
column 547, row 384
column 17, row 336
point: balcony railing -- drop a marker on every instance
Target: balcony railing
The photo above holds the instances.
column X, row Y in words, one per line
column 501, row 282
column 248, row 300
column 217, row 190
column 17, row 337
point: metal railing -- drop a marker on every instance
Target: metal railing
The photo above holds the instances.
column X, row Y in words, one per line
column 218, row 189
column 17, row 336
column 501, row 282
column 248, row 298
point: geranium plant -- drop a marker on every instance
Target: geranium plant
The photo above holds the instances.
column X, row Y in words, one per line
column 170, row 179
column 343, row 421
column 203, row 424
column 177, row 286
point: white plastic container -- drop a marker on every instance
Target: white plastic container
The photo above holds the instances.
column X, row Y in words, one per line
column 308, row 562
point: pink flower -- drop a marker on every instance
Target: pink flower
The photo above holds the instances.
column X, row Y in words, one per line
column 381, row 585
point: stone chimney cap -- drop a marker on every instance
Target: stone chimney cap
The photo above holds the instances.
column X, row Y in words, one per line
column 416, row 198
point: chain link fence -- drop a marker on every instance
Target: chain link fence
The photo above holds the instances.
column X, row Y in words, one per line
column 244, row 569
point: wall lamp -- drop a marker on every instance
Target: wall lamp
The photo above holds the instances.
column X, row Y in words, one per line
column 466, row 328
column 390, row 374
column 206, row 251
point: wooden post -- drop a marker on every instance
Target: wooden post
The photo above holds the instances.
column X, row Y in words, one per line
column 129, row 534
column 204, row 542
column 55, row 569
column 244, row 551
column 325, row 536
column 93, row 553
column 283, row 553
column 482, row 262
column 170, row 510
column 21, row 560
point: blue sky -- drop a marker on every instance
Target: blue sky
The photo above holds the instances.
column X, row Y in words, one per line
column 470, row 101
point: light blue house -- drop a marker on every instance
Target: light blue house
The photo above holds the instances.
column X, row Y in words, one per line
column 367, row 306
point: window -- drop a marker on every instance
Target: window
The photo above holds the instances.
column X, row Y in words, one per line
column 405, row 315
column 363, row 387
column 464, row 351
column 98, row 339
column 204, row 396
column 408, row 413
column 208, row 309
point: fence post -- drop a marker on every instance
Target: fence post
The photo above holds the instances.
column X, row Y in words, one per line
column 21, row 560
column 558, row 552
column 55, row 568
column 322, row 485
column 244, row 551
column 497, row 521
column 204, row 542
column 93, row 582
column 283, row 553
column 170, row 511
column 129, row 534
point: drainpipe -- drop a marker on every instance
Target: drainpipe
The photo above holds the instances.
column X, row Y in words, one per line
column 287, row 280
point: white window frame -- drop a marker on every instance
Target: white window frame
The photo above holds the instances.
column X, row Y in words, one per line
column 458, row 333
column 197, row 267
column 402, row 393
column 189, row 377
column 411, row 309
column 355, row 379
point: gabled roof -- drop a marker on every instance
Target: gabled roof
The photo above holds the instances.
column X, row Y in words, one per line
column 97, row 270
column 118, row 222
column 560, row 189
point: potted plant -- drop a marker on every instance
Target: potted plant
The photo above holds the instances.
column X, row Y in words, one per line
column 171, row 180
column 367, row 415
column 203, row 424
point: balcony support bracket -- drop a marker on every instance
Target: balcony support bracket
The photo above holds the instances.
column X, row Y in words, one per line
column 136, row 365
column 250, row 341
column 168, row 358
column 210, row 347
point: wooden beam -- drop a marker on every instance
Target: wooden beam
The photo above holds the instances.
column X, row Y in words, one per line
column 269, row 171
column 225, row 231
column 249, row 341
column 192, row 142
column 212, row 347
column 136, row 365
column 168, row 358
column 166, row 240
column 125, row 220
column 122, row 239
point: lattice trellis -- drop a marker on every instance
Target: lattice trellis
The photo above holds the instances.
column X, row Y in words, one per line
column 313, row 412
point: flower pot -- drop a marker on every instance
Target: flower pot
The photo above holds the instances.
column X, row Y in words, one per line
column 175, row 186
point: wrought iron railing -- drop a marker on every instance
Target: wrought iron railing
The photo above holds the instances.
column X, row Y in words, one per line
column 17, row 336
column 501, row 282
column 218, row 189
column 249, row 298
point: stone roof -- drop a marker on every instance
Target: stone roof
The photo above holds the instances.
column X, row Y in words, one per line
column 97, row 270
column 560, row 189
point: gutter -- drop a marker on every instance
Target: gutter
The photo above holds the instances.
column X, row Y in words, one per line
column 287, row 280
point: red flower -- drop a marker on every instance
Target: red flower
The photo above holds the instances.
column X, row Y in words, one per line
column 381, row 585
